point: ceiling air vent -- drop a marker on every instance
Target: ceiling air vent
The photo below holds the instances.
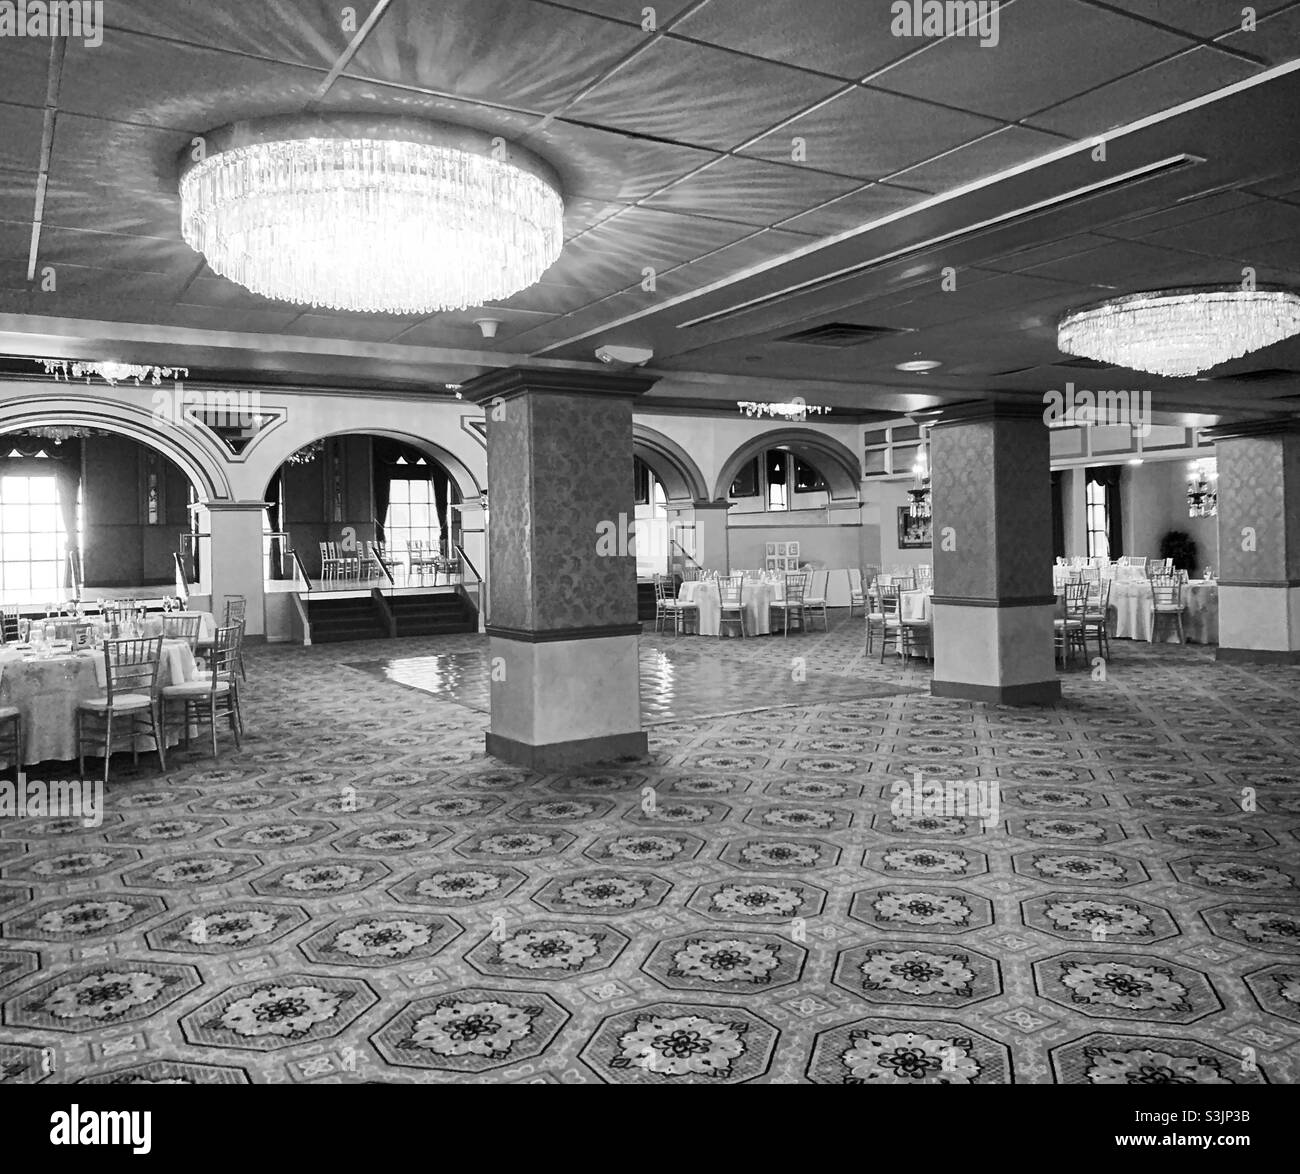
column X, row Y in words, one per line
column 839, row 334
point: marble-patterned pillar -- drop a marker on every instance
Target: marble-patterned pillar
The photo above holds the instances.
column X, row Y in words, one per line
column 993, row 600
column 1259, row 542
column 563, row 622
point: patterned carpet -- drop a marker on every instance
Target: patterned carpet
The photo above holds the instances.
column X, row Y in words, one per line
column 361, row 895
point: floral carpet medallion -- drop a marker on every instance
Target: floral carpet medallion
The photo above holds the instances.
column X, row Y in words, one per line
column 104, row 995
column 735, row 963
column 679, row 1043
column 549, row 949
column 380, row 940
column 602, row 892
column 1126, row 986
column 1151, row 1060
column 83, row 918
column 891, row 1051
column 359, row 876
column 927, row 861
column 1098, row 918
column 471, row 1030
column 927, row 910
column 268, row 1014
column 918, row 974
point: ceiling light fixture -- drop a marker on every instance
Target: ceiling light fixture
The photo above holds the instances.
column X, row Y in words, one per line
column 111, row 373
column 1181, row 332
column 398, row 216
column 795, row 409
column 919, row 365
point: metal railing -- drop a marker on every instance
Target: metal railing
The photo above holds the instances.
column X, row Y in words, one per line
column 178, row 574
column 300, row 576
column 480, row 599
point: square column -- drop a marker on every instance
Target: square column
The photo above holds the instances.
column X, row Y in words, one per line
column 712, row 536
column 563, row 627
column 1259, row 542
column 993, row 601
column 236, row 565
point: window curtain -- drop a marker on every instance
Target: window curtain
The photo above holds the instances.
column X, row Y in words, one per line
column 274, row 492
column 63, row 462
column 67, row 477
column 1058, row 516
column 382, row 488
column 440, row 502
column 1109, row 477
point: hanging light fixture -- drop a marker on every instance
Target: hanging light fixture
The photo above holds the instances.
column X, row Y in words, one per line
column 306, row 454
column 1181, row 332
column 396, row 216
column 1203, row 488
column 794, row 410
column 920, row 491
column 111, row 373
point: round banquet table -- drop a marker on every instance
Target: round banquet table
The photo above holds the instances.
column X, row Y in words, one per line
column 756, row 597
column 46, row 692
column 1133, row 609
column 153, row 626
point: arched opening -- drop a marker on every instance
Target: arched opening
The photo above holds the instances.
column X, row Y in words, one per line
column 89, row 509
column 677, row 472
column 802, row 461
column 399, row 495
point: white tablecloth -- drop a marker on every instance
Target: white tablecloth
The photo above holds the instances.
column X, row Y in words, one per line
column 153, row 626
column 1133, row 606
column 756, row 597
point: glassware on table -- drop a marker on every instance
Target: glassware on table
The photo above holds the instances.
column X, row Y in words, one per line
column 24, row 630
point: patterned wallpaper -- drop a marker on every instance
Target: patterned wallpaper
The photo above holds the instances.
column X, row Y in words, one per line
column 1259, row 478
column 558, row 466
column 991, row 484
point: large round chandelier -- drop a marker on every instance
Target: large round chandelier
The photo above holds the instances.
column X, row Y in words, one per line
column 1181, row 331
column 401, row 216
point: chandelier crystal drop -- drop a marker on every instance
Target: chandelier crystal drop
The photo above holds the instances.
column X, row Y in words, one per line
column 372, row 224
column 1183, row 331
column 794, row 410
column 111, row 373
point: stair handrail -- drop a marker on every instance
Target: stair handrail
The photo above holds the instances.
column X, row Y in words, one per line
column 374, row 558
column 178, row 573
column 302, row 570
column 468, row 562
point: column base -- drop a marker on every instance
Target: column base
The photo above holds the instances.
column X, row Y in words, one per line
column 581, row 752
column 1258, row 655
column 1038, row 693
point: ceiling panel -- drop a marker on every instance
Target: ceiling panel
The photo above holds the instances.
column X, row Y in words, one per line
column 1276, row 38
column 357, row 327
column 524, row 55
column 663, row 92
column 1204, row 18
column 1181, row 213
column 871, row 134
column 1168, row 83
column 131, row 78
column 145, row 158
column 458, row 329
column 362, row 95
column 1048, row 51
column 854, row 210
column 843, row 37
column 1239, row 232
column 1005, row 148
column 127, row 254
column 744, row 254
column 20, row 145
column 628, row 11
column 1116, row 264
column 300, row 32
column 107, row 207
column 750, row 191
column 1043, row 254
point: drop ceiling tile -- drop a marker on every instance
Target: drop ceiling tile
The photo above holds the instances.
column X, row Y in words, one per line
column 1181, row 213
column 132, row 78
column 1042, row 254
column 1276, row 38
column 751, row 191
column 1204, row 18
column 299, row 32
column 548, row 297
column 210, row 290
column 627, row 11
column 354, row 327
column 728, row 262
column 15, row 242
column 870, row 134
column 20, row 142
column 79, row 285
column 699, row 95
column 1285, row 185
column 459, row 330
column 1161, row 86
column 227, row 321
column 849, row 39
column 120, row 253
column 26, row 67
column 1003, row 149
column 1047, row 51
column 1239, row 232
column 1115, row 264
column 607, row 165
column 529, row 56
column 109, row 208
column 864, row 206
column 128, row 155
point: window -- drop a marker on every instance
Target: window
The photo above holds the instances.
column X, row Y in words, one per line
column 746, row 482
column 779, row 479
column 1098, row 521
column 412, row 514
column 33, row 542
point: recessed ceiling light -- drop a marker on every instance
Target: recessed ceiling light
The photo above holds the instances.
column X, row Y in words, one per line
column 919, row 365
column 1136, row 461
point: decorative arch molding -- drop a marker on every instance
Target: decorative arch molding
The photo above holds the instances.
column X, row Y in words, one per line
column 466, row 482
column 672, row 464
column 835, row 461
column 189, row 450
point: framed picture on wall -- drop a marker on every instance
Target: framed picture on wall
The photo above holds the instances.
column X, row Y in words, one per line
column 913, row 533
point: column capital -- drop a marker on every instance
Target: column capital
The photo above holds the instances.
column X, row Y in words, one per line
column 230, row 506
column 1254, row 429
column 511, row 382
column 712, row 505
column 974, row 411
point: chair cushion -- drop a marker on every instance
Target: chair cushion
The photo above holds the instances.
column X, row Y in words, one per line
column 199, row 688
column 121, row 701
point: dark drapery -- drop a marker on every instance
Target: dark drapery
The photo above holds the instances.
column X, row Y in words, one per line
column 382, row 478
column 440, row 501
column 1058, row 517
column 1109, row 477
column 274, row 492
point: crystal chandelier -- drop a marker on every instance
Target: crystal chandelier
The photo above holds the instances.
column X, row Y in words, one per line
column 920, row 491
column 796, row 409
column 111, row 373
column 61, row 432
column 306, row 454
column 1202, row 488
column 1181, row 331
column 399, row 217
